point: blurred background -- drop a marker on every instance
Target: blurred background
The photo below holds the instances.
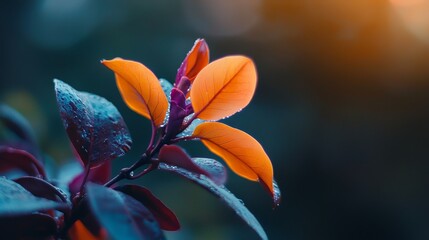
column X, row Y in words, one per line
column 342, row 104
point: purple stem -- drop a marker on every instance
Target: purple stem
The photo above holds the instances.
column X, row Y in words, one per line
column 187, row 138
column 188, row 123
column 85, row 178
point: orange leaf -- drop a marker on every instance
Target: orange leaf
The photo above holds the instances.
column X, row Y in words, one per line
column 79, row 231
column 243, row 154
column 223, row 87
column 197, row 59
column 140, row 89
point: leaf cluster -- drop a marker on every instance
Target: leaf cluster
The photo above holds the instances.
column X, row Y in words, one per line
column 94, row 205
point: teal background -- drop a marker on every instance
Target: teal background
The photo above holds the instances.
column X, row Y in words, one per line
column 341, row 107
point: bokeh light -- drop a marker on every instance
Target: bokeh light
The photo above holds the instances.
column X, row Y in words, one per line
column 222, row 17
column 415, row 16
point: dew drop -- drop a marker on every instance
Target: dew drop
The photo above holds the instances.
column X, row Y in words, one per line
column 132, row 174
column 277, row 194
column 167, row 116
column 125, row 148
column 189, row 130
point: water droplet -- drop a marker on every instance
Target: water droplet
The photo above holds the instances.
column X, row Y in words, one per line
column 125, row 148
column 276, row 194
column 189, row 130
column 167, row 116
column 132, row 174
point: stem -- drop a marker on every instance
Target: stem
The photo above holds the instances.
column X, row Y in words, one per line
column 152, row 138
column 125, row 172
column 116, row 179
column 147, row 156
column 175, row 140
column 151, row 167
column 188, row 122
column 87, row 170
column 74, row 216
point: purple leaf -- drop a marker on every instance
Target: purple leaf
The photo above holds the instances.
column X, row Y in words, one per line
column 15, row 122
column 32, row 226
column 82, row 212
column 12, row 159
column 184, row 85
column 122, row 215
column 21, row 145
column 216, row 171
column 41, row 188
column 176, row 156
column 99, row 174
column 93, row 124
column 221, row 192
column 177, row 112
column 15, row 200
column 165, row 217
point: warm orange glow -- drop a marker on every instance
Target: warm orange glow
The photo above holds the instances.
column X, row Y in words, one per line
column 402, row 3
column 140, row 89
column 79, row 231
column 243, row 154
column 223, row 87
column 415, row 16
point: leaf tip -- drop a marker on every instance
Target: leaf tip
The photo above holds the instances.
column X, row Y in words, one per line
column 57, row 82
column 108, row 63
column 276, row 194
column 274, row 191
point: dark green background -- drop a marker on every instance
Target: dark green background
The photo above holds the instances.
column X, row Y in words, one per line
column 342, row 104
